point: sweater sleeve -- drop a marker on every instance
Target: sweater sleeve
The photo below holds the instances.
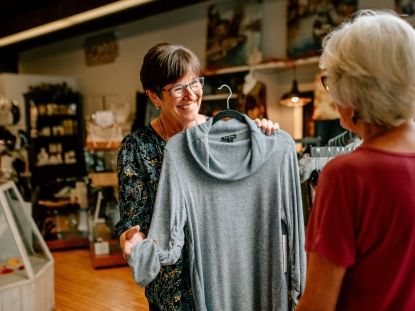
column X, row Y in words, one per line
column 165, row 239
column 293, row 214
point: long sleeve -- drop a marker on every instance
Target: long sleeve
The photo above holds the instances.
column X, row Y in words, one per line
column 165, row 239
column 140, row 159
column 295, row 222
column 138, row 170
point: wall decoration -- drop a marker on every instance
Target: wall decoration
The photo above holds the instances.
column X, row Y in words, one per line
column 101, row 49
column 309, row 21
column 406, row 8
column 234, row 33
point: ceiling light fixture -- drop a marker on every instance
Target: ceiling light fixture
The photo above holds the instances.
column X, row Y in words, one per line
column 295, row 98
column 67, row 22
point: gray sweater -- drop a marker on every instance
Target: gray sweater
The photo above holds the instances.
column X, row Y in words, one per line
column 228, row 187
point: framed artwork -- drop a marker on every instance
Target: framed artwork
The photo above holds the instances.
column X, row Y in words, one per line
column 406, row 8
column 308, row 22
column 101, row 49
column 234, row 33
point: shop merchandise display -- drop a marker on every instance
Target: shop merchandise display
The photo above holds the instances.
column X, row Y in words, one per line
column 103, row 131
column 253, row 97
column 101, row 165
column 325, row 115
column 311, row 163
column 54, row 121
column 248, row 190
column 10, row 265
column 26, row 264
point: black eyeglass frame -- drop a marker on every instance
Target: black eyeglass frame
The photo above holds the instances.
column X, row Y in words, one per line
column 323, row 79
column 183, row 87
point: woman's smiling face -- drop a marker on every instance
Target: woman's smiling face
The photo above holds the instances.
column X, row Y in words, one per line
column 184, row 109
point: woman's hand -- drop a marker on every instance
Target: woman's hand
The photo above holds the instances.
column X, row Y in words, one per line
column 267, row 126
column 129, row 238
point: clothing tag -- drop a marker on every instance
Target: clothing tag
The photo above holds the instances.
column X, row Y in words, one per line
column 102, row 248
column 229, row 138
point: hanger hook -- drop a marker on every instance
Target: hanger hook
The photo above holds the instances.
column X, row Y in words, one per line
column 230, row 94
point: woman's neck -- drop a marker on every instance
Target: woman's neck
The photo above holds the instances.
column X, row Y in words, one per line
column 399, row 139
column 167, row 128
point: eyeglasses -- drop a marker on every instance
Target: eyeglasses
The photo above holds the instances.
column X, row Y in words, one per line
column 180, row 89
column 323, row 79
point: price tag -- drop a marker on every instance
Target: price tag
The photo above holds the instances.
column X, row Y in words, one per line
column 102, row 248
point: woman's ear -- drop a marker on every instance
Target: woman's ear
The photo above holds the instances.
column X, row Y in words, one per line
column 154, row 98
column 355, row 117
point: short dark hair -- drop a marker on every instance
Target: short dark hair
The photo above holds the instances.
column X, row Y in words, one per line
column 165, row 63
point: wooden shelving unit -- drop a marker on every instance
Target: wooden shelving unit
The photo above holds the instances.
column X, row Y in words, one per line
column 274, row 65
column 102, row 146
column 63, row 234
column 55, row 123
column 218, row 97
column 106, row 179
column 234, row 77
column 69, row 242
column 113, row 259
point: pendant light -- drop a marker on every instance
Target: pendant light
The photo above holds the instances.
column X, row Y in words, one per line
column 294, row 98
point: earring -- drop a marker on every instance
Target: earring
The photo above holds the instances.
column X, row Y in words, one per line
column 157, row 107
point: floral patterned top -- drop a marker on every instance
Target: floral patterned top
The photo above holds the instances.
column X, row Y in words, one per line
column 139, row 163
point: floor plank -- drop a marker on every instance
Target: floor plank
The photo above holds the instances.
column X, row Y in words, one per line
column 79, row 287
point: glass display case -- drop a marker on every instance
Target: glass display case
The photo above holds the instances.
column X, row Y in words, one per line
column 26, row 264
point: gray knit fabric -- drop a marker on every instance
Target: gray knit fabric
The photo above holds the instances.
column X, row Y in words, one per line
column 226, row 188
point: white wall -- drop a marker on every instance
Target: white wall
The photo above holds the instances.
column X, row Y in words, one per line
column 119, row 81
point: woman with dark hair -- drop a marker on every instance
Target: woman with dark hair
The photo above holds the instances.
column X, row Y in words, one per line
column 170, row 76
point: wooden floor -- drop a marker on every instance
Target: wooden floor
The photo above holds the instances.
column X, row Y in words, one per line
column 79, row 287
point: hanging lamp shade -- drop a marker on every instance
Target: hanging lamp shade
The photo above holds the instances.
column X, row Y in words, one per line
column 294, row 98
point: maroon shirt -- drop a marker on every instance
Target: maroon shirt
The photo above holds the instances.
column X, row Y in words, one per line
column 363, row 219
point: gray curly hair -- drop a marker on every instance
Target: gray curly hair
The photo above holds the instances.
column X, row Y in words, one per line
column 370, row 65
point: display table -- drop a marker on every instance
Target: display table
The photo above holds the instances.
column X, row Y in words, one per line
column 26, row 264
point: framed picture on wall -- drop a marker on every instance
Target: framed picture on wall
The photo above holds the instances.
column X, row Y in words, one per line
column 234, row 33
column 308, row 22
column 406, row 8
column 101, row 49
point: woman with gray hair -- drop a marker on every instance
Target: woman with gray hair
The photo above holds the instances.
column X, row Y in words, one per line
column 361, row 234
